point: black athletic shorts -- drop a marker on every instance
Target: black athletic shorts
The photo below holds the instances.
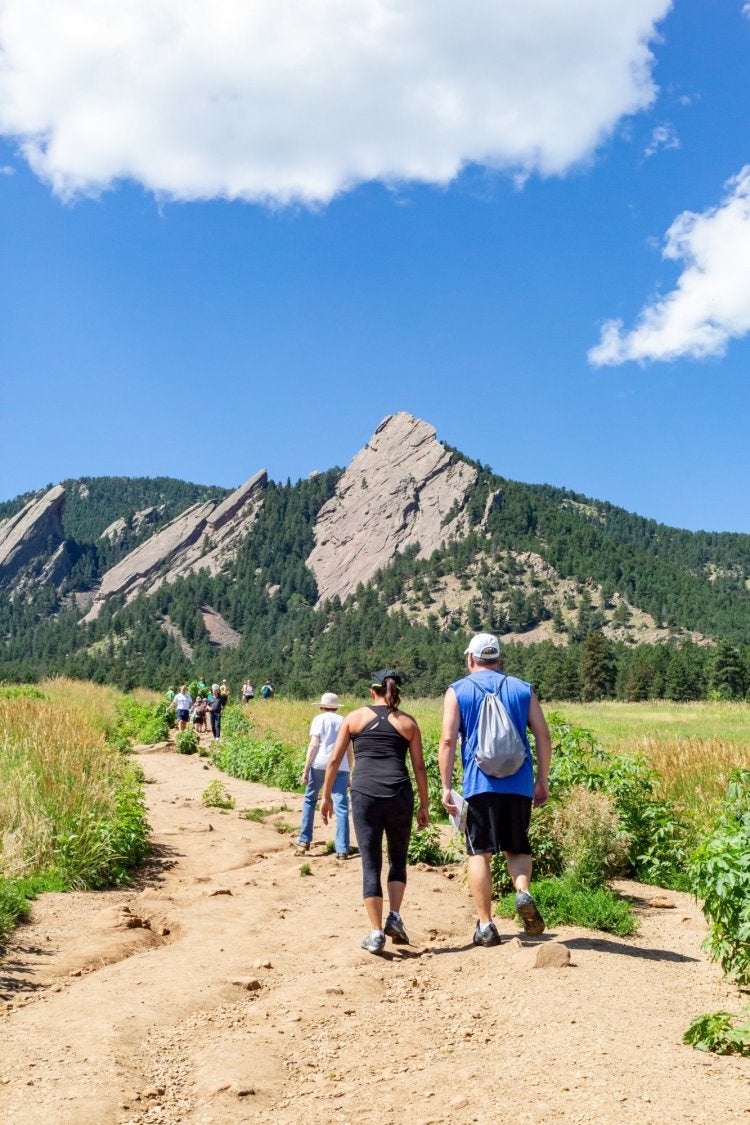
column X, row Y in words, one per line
column 498, row 822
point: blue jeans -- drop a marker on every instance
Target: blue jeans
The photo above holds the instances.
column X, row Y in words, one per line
column 340, row 796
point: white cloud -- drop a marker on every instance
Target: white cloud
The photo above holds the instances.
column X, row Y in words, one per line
column 710, row 303
column 746, row 10
column 662, row 136
column 282, row 100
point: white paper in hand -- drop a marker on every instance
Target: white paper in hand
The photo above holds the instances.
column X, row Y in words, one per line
column 458, row 819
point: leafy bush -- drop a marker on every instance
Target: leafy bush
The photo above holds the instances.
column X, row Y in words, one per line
column 20, row 691
column 186, row 741
column 438, row 814
column 721, row 869
column 139, row 723
column 425, row 846
column 217, row 796
column 253, row 759
column 305, row 869
column 16, row 895
column 102, row 848
column 659, row 843
column 720, row 1032
column 566, row 901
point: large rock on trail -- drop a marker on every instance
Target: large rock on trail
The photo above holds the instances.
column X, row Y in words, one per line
column 398, row 490
column 33, row 533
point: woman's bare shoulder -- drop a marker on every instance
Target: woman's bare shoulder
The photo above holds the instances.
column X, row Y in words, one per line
column 355, row 720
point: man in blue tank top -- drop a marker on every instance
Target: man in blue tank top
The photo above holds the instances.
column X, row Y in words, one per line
column 499, row 808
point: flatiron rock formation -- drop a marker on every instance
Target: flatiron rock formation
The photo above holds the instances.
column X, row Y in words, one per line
column 30, row 533
column 204, row 537
column 397, row 491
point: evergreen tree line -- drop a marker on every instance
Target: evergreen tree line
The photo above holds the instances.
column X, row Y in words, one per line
column 268, row 595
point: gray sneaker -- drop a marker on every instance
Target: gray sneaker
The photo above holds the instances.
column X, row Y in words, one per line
column 488, row 936
column 374, row 942
column 301, row 847
column 394, row 927
column 526, row 908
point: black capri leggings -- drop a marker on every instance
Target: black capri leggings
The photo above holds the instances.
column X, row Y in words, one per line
column 372, row 817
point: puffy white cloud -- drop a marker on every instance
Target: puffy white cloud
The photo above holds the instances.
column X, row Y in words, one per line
column 710, row 303
column 282, row 100
column 662, row 136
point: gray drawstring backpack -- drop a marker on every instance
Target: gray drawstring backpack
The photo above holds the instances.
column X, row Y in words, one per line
column 500, row 749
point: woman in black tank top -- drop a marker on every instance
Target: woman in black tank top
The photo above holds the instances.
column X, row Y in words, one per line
column 382, row 799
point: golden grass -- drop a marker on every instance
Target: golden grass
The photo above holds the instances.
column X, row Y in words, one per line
column 55, row 771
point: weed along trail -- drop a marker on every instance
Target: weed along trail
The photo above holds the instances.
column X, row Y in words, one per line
column 227, row 986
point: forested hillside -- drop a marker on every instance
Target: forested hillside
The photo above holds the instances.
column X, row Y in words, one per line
column 617, row 605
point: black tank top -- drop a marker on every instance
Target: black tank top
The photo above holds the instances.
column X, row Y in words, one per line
column 380, row 757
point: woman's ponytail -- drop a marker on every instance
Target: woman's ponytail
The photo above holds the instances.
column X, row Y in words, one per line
column 391, row 694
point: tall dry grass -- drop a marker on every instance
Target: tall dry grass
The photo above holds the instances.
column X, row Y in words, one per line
column 59, row 782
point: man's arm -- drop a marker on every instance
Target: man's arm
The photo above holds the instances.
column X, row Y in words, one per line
column 447, row 748
column 538, row 727
column 312, row 750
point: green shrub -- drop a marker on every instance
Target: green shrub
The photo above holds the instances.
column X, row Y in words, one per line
column 20, row 691
column 568, row 902
column 305, row 869
column 721, row 871
column 186, row 741
column 721, row 1033
column 217, row 796
column 139, row 723
column 425, row 846
column 17, row 894
column 659, row 843
column 252, row 759
column 102, row 848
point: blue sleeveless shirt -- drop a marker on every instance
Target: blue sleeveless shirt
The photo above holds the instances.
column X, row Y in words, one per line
column 516, row 697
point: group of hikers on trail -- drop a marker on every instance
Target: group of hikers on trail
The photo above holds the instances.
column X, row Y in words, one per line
column 203, row 709
column 364, row 754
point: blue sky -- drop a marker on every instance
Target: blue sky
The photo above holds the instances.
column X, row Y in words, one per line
column 532, row 230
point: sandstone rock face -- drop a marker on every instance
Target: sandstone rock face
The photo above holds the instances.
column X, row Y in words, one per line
column 204, row 537
column 396, row 492
column 29, row 534
column 220, row 632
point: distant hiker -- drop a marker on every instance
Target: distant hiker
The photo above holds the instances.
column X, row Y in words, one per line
column 169, row 694
column 224, row 693
column 248, row 691
column 181, row 704
column 267, row 690
column 382, row 799
column 215, row 706
column 499, row 808
column 323, row 731
column 199, row 715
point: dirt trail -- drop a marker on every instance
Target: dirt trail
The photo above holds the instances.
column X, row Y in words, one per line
column 229, row 988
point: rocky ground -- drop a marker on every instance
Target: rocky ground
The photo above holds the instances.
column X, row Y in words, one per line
column 228, row 987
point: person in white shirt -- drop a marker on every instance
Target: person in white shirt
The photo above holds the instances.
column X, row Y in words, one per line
column 182, row 703
column 323, row 731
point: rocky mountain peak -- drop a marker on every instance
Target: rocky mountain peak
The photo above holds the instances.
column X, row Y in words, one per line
column 32, row 533
column 204, row 537
column 398, row 490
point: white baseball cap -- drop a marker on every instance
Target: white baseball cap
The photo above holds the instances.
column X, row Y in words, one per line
column 483, row 646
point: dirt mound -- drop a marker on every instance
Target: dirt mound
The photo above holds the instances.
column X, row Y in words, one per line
column 228, row 987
